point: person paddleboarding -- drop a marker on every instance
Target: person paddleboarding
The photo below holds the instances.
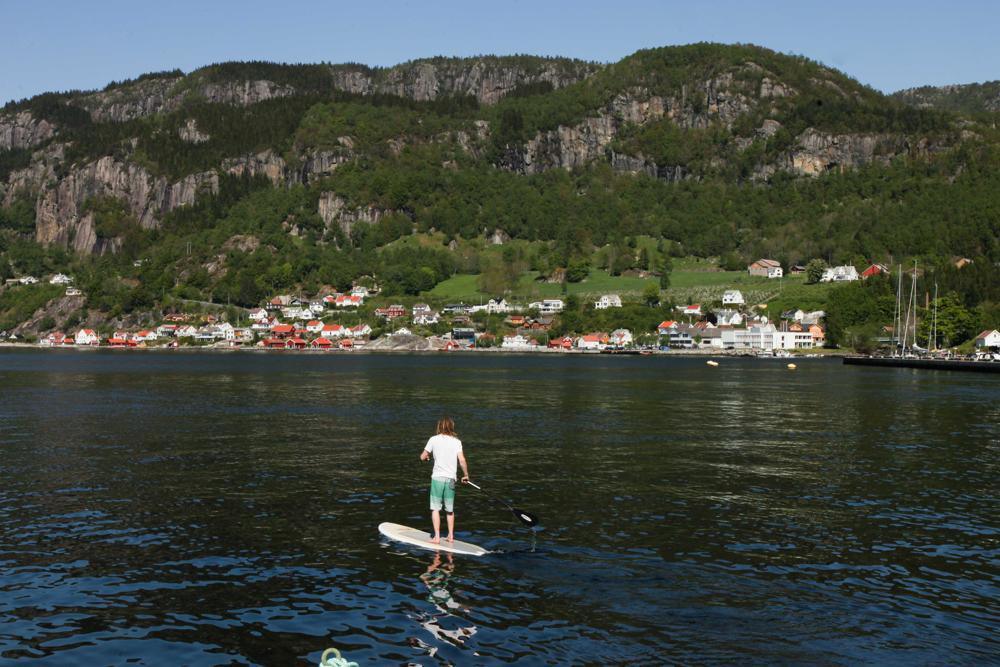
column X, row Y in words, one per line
column 446, row 449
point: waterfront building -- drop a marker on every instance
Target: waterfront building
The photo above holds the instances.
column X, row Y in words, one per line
column 989, row 339
column 86, row 337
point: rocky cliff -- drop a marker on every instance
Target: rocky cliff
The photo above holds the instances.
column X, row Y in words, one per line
column 22, row 130
column 967, row 98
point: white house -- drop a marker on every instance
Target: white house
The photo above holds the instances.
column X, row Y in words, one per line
column 693, row 310
column 72, row 291
column 258, row 314
column 86, row 337
column 60, row 279
column 317, row 307
column 145, row 336
column 27, row 280
column 517, row 342
column 988, row 339
column 608, row 301
column 812, row 317
column 793, row 340
column 426, row 318
column 727, row 317
column 732, row 297
column 768, row 268
column 665, row 327
column 314, row 326
column 360, row 290
column 839, row 274
column 548, row 306
column 187, row 331
column 167, row 330
column 332, row 331
column 497, row 306
column 361, row 331
column 620, row 338
column 226, row 330
column 589, row 342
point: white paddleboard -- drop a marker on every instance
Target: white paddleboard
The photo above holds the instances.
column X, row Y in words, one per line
column 419, row 538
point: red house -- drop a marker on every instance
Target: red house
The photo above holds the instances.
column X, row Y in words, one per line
column 874, row 270
column 321, row 344
column 282, row 330
column 295, row 343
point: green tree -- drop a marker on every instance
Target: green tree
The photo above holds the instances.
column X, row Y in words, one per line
column 814, row 271
column 666, row 268
column 651, row 294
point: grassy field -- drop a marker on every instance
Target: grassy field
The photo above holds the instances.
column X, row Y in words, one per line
column 686, row 286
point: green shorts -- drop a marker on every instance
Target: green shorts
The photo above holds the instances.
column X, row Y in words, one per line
column 443, row 493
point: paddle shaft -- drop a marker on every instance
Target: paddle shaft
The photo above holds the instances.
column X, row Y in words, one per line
column 524, row 517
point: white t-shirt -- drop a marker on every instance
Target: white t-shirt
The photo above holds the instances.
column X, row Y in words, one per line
column 445, row 449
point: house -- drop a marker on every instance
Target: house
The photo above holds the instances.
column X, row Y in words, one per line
column 516, row 320
column 548, row 306
column 282, row 330
column 796, row 269
column 167, row 330
column 608, row 301
column 145, row 336
column 516, row 342
column 243, row 335
column 333, row 330
column 839, row 274
column 361, row 291
column 27, row 280
column 665, row 327
column 590, row 342
column 818, row 335
column 874, row 270
column 391, row 312
column 258, row 314
column 427, row 318
column 420, row 309
column 457, row 309
column 564, row 343
column 693, row 310
column 115, row 341
column 347, row 344
column 361, row 331
column 792, row 340
column 766, row 268
column 493, row 306
column 273, row 343
column 60, row 279
column 295, row 343
column 53, row 339
column 73, row 291
column 989, row 339
column 225, row 331
column 463, row 333
column 732, row 297
column 401, row 331
column 812, row 317
column 321, row 344
column 317, row 307
column 186, row 331
column 728, row 317
column 682, row 336
column 348, row 301
column 314, row 326
column 86, row 337
column 708, row 338
column 620, row 338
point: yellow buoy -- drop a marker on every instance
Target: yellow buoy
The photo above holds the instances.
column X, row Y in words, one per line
column 792, row 367
column 712, row 363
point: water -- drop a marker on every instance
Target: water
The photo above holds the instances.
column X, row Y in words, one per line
column 201, row 509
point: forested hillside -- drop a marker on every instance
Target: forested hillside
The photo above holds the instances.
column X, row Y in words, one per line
column 242, row 179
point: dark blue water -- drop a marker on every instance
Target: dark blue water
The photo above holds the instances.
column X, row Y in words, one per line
column 202, row 509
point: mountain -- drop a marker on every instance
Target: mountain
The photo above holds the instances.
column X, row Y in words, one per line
column 968, row 98
column 240, row 179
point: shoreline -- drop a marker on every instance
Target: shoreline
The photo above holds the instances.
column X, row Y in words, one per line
column 704, row 353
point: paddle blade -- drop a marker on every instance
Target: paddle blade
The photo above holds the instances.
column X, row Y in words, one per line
column 527, row 518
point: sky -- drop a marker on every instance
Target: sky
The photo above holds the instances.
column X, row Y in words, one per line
column 887, row 44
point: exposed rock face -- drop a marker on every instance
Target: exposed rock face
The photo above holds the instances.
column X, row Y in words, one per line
column 132, row 101
column 334, row 211
column 191, row 134
column 146, row 98
column 488, row 79
column 22, row 130
column 34, row 177
column 716, row 100
column 817, row 153
column 314, row 164
column 244, row 93
column 59, row 218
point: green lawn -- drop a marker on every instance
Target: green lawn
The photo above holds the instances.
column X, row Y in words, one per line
column 685, row 287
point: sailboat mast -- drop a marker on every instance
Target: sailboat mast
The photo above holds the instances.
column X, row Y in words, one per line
column 897, row 316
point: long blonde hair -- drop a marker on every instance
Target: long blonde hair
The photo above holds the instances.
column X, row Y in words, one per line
column 446, row 426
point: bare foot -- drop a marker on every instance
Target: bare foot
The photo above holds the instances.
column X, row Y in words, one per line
column 451, row 538
column 436, row 540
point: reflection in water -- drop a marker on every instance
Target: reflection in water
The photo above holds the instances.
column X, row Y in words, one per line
column 443, row 624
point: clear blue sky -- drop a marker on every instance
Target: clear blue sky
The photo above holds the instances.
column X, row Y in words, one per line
column 888, row 44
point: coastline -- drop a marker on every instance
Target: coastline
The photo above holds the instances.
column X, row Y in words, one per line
column 702, row 353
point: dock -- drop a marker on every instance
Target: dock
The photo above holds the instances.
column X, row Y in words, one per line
column 927, row 364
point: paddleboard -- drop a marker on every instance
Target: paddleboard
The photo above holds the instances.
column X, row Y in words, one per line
column 419, row 538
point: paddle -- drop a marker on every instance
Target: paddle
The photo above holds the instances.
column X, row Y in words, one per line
column 527, row 518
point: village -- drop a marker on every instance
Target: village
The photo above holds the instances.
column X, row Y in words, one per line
column 342, row 322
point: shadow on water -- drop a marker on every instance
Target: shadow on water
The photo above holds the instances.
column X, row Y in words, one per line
column 210, row 509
